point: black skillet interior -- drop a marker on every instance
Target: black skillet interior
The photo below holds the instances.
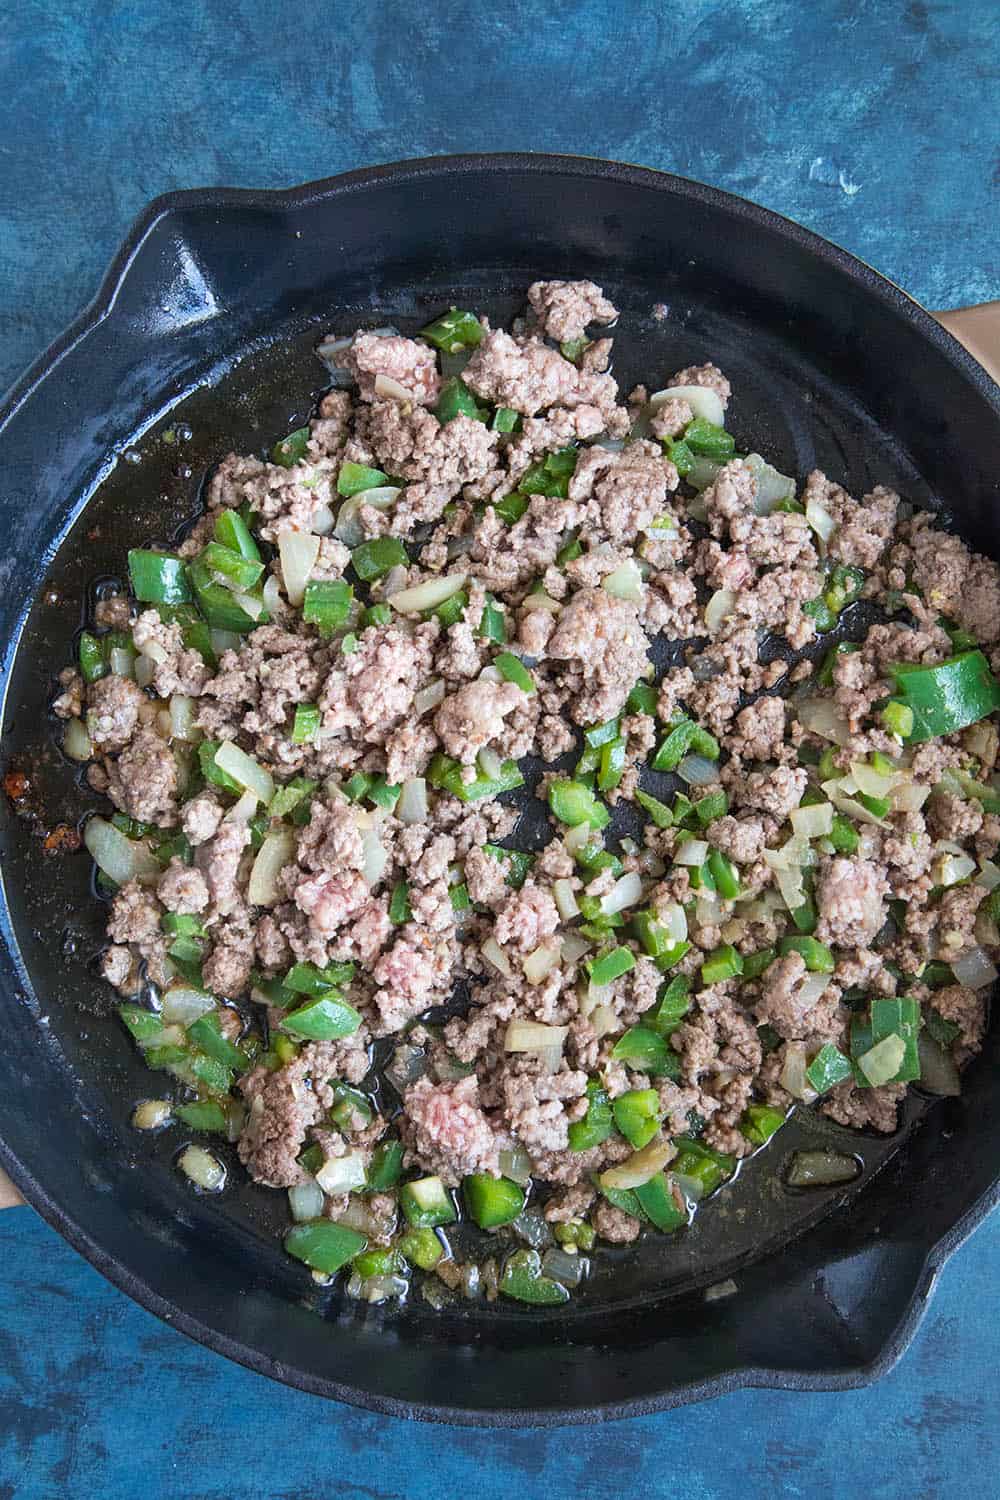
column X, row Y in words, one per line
column 205, row 343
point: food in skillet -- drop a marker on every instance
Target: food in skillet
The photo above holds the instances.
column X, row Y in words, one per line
column 315, row 721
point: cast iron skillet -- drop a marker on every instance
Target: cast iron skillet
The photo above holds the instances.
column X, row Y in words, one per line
column 207, row 321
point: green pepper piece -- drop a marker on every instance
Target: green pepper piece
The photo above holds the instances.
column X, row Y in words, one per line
column 898, row 719
column 377, row 614
column 506, row 419
column 899, row 1017
column 91, row 652
column 421, row 1247
column 399, row 904
column 595, row 857
column 843, row 835
column 573, row 804
column 611, row 767
column 459, row 896
column 824, row 677
column 725, row 875
column 221, row 609
column 233, row 532
column 610, row 966
column 817, row 956
column 680, row 455
column 828, row 1068
column 386, row 1167
column 760, row 1122
column 658, row 811
column 374, row 558
column 356, row 786
column 305, row 726
column 637, row 1115
column 518, row 863
column 642, row 699
column 715, row 805
column 820, row 613
column 327, row 603
column 596, row 735
column 522, row 1280
column 158, row 577
column 309, row 979
column 203, row 1114
column 492, row 1201
column 707, row 1168
column 289, row 796
column 323, row 1245
column 512, row 669
column 227, row 567
column 354, row 479
column 710, row 441
column 724, row 963
column 651, row 934
column 451, row 611
column 291, row 450
column 597, row 1124
column 384, row 793
column 492, row 622
column 144, row 1025
column 844, row 588
column 510, row 508
column 206, row 1033
column 569, row 551
column 211, row 772
column 454, row 331
column 658, row 1202
column 647, row 1051
column 754, row 964
column 426, row 1204
column 324, row 1018
column 947, row 696
column 672, row 1006
column 675, row 746
column 456, row 400
column 446, row 773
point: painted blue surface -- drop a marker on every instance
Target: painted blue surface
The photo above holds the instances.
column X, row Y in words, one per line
column 871, row 121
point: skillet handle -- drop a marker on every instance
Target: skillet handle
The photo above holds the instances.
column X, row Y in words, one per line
column 978, row 328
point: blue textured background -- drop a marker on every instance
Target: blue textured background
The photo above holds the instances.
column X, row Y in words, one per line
column 874, row 122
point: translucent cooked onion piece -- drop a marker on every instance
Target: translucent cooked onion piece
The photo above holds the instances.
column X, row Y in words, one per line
column 428, row 595
column 245, row 770
column 348, row 528
column 375, row 858
column 822, row 716
column 277, row 850
column 813, row 822
column 119, row 858
column 625, row 892
column 703, row 401
column 428, row 697
column 793, row 1070
column 182, row 1004
column 625, row 582
column 539, row 964
column 873, row 783
column 692, row 852
column 772, row 487
column 203, row 1169
column 391, row 390
column 974, row 968
column 821, row 522
column 412, row 804
column 640, row 1167
column 76, row 741
column 341, row 1174
column 305, row 1201
column 497, row 958
column 821, row 1169
column 698, row 770
column 243, row 810
column 297, row 551
column 718, row 609
column 183, row 711
column 565, row 899
column 532, row 1036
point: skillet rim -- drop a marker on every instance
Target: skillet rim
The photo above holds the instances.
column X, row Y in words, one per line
column 102, row 306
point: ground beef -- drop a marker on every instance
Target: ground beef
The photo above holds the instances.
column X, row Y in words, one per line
column 564, row 308
column 182, row 889
column 606, row 647
column 527, row 918
column 201, row 817
column 143, row 780
column 863, row 1109
column 411, row 365
column 177, row 670
column 473, row 717
column 850, row 900
column 113, row 705
column 614, row 1224
column 447, row 1130
column 411, row 974
column 783, row 1005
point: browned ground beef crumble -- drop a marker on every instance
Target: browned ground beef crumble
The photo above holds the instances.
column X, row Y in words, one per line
column 393, row 695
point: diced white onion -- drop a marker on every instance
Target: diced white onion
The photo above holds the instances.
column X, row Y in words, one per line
column 145, row 669
column 873, row 783
column 626, row 891
column 202, row 1168
column 245, row 770
column 848, row 805
column 277, row 850
column 322, row 520
column 821, row 1169
column 708, row 909
column 427, row 595
column 820, row 521
column 698, row 770
column 531, row 1036
column 981, row 740
column 375, row 858
column 341, row 1174
column 391, row 389
column 428, row 697
column 243, row 810
column 76, row 741
column 574, row 946
column 883, row 1061
column 772, row 487
column 156, row 653
column 121, row 661
column 565, row 899
column 516, row 1164
column 703, row 472
column 182, row 718
column 224, row 640
column 822, row 716
column 640, row 1167
column 910, row 796
column 625, row 582
column 494, row 955
column 182, row 1004
column 349, row 529
column 719, row 608
column 541, row 601
column 250, row 605
column 120, row 858
column 604, row 1021
column 949, row 868
column 974, row 968
column 692, row 852
column 305, row 1200
column 791, row 888
column 703, row 401
column 811, row 989
column 673, row 918
column 989, row 875
column 412, row 804
column 539, row 964
column 151, row 1114
column 793, row 1073
column 790, row 856
column 578, row 838
column 490, row 763
column 812, row 822
column 297, row 551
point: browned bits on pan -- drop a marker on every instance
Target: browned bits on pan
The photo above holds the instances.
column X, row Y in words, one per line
column 62, row 840
column 16, row 784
